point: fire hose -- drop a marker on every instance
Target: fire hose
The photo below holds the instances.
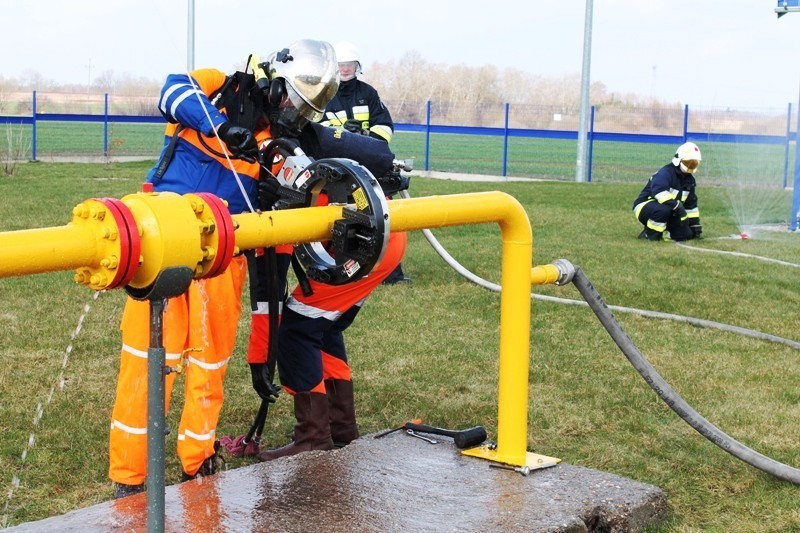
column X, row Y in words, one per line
column 641, row 364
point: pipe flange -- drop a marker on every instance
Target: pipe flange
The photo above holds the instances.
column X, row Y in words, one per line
column 118, row 241
column 217, row 238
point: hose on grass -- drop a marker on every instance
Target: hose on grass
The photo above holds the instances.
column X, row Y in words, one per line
column 663, row 389
column 670, row 396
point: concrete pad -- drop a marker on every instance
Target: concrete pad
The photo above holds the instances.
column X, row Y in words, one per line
column 394, row 483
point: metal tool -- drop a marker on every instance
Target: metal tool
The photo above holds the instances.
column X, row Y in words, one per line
column 398, row 428
column 463, row 438
column 423, row 437
column 524, row 470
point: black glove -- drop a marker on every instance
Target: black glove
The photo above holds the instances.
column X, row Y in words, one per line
column 262, row 382
column 240, row 140
column 679, row 210
column 354, row 126
column 268, row 193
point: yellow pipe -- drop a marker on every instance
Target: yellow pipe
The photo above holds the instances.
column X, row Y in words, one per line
column 35, row 251
column 544, row 275
column 73, row 246
column 516, row 278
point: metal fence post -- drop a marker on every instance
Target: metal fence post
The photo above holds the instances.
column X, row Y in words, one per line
column 796, row 180
column 427, row 135
column 105, row 127
column 505, row 144
column 591, row 146
column 685, row 122
column 33, row 127
column 788, row 142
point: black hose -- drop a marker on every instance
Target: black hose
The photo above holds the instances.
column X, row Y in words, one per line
column 670, row 396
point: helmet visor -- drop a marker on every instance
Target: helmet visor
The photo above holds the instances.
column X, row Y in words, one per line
column 303, row 109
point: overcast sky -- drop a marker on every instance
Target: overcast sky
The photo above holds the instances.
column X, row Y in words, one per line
column 696, row 52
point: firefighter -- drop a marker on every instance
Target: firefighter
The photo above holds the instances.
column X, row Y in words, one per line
column 667, row 205
column 311, row 355
column 358, row 108
column 209, row 148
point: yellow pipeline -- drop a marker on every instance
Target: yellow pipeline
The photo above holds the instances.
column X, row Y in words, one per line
column 169, row 236
column 516, row 278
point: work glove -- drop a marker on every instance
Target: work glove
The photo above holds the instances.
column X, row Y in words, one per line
column 268, row 193
column 680, row 211
column 262, row 382
column 354, row 126
column 240, row 140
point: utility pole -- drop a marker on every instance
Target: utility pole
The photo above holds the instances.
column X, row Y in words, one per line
column 190, row 39
column 793, row 6
column 583, row 127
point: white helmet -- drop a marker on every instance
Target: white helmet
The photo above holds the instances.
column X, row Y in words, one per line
column 304, row 75
column 688, row 157
column 346, row 52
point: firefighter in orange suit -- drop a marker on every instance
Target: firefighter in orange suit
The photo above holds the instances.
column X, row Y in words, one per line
column 216, row 123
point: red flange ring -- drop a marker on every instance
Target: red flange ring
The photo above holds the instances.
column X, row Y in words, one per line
column 225, row 237
column 130, row 243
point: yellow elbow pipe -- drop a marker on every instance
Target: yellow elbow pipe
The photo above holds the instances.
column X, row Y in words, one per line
column 113, row 243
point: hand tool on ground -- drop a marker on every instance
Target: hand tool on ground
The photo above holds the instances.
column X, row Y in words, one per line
column 398, row 428
column 423, row 437
column 463, row 438
column 524, row 470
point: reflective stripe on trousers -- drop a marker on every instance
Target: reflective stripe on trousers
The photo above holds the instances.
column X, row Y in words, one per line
column 313, row 324
column 202, row 321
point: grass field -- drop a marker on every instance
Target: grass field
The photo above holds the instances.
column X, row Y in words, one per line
column 471, row 154
column 429, row 350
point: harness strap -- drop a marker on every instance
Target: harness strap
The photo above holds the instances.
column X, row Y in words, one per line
column 302, row 278
column 168, row 154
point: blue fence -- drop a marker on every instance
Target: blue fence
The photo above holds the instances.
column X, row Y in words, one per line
column 593, row 136
column 504, row 134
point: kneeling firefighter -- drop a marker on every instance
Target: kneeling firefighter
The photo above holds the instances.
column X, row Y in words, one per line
column 309, row 346
column 667, row 205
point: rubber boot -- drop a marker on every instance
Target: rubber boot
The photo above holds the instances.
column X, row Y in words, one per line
column 121, row 490
column 312, row 431
column 651, row 235
column 341, row 405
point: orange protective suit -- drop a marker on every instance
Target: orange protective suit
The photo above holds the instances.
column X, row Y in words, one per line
column 199, row 325
column 200, row 328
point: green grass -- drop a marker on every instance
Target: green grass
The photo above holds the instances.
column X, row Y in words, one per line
column 430, row 350
column 471, row 154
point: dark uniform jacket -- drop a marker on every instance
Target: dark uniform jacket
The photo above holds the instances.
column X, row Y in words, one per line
column 359, row 101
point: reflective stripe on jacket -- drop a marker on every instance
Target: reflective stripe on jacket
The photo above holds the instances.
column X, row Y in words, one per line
column 194, row 168
column 668, row 186
column 360, row 101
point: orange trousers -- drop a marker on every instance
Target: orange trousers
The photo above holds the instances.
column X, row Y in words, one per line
column 200, row 330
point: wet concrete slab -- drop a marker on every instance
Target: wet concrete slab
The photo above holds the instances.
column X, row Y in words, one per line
column 394, row 483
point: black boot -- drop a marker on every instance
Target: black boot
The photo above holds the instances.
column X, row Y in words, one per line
column 397, row 276
column 341, row 405
column 651, row 235
column 121, row 490
column 209, row 467
column 312, row 431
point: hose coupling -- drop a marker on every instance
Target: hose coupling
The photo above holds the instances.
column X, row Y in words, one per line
column 566, row 271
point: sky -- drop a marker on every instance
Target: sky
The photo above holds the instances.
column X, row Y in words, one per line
column 734, row 53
